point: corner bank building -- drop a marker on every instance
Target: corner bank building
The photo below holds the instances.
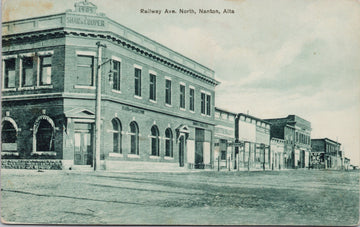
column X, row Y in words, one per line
column 157, row 106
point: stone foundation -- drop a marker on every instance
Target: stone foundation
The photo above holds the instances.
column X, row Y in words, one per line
column 31, row 164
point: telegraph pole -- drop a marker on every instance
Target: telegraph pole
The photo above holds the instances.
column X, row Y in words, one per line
column 96, row 156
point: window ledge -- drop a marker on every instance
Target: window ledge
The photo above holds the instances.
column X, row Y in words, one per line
column 44, row 87
column 133, row 156
column 116, row 91
column 138, row 97
column 168, row 158
column 191, row 111
column 9, row 89
column 26, row 88
column 44, row 153
column 112, row 154
column 168, row 105
column 85, row 87
column 153, row 101
column 182, row 109
column 154, row 157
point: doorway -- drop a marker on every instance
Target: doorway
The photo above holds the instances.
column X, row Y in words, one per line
column 302, row 159
column 181, row 151
column 83, row 144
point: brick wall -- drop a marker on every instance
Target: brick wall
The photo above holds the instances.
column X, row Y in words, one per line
column 31, row 164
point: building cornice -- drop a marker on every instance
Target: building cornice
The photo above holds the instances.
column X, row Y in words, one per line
column 114, row 38
column 101, row 27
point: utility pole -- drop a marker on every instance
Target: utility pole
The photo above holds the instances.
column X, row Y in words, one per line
column 96, row 156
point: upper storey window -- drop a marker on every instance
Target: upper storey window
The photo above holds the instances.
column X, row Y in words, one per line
column 31, row 71
column 27, row 72
column 45, row 69
column 168, row 92
column 152, row 88
column 192, row 99
column 203, row 103
column 85, row 70
column 137, row 82
column 208, row 105
column 182, row 96
column 116, row 69
column 9, row 73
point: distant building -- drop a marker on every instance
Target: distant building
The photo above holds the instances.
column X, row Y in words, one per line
column 326, row 154
column 277, row 148
column 224, row 138
column 254, row 135
column 346, row 163
column 296, row 133
column 157, row 105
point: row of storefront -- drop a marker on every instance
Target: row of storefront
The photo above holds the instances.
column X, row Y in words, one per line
column 258, row 144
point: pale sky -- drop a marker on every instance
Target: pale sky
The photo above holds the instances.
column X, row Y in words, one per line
column 273, row 57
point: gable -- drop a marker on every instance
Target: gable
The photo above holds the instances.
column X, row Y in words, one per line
column 80, row 113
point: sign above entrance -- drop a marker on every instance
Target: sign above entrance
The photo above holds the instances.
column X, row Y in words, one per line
column 200, row 124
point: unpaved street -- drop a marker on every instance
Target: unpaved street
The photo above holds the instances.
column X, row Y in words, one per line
column 198, row 197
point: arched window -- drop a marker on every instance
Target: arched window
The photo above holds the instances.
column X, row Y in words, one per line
column 116, row 135
column 134, row 133
column 8, row 135
column 45, row 136
column 168, row 143
column 154, row 141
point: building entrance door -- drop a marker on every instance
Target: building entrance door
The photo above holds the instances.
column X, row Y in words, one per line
column 199, row 148
column 181, row 151
column 83, row 153
column 302, row 159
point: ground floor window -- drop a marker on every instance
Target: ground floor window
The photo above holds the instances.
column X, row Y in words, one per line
column 8, row 136
column 44, row 134
column 168, row 143
column 154, row 141
column 134, row 134
column 116, row 135
column 45, row 137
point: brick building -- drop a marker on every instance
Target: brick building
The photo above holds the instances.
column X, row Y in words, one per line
column 296, row 133
column 254, row 136
column 326, row 154
column 224, row 155
column 157, row 107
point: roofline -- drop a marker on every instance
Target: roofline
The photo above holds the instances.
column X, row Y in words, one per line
column 255, row 118
column 223, row 110
column 38, row 17
column 327, row 139
column 161, row 45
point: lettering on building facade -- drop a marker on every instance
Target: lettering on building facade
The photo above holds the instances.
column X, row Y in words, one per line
column 134, row 110
column 84, row 20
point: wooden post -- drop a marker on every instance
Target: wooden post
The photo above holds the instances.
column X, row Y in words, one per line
column 229, row 163
column 218, row 163
column 238, row 161
column 96, row 156
column 264, row 158
column 249, row 157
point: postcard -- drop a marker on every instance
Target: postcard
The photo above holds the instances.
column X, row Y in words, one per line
column 216, row 112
